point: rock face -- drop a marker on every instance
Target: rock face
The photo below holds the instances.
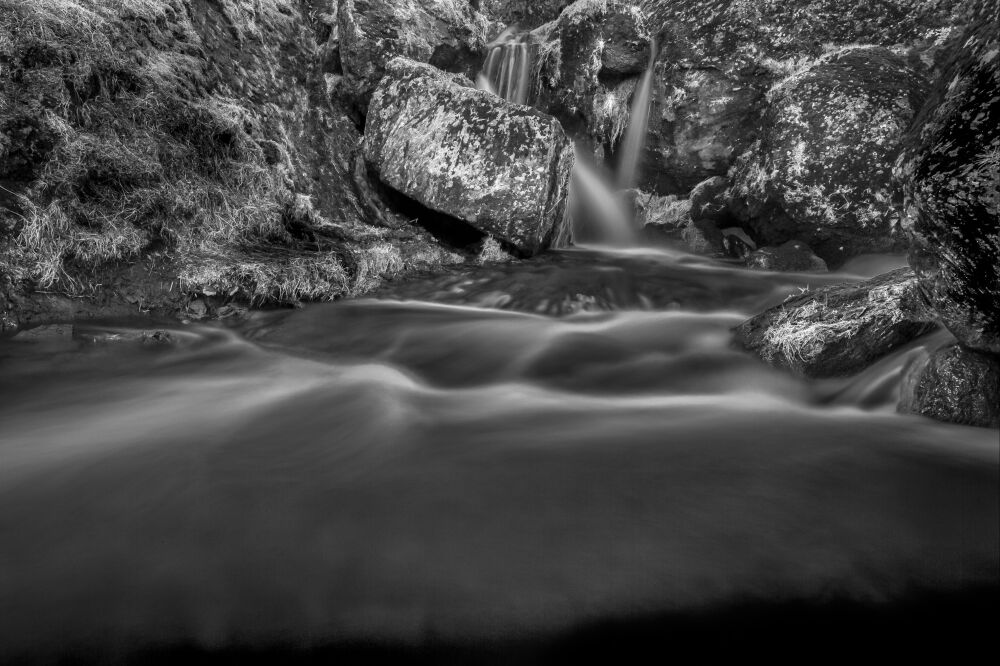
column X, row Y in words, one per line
column 822, row 172
column 526, row 14
column 954, row 384
column 449, row 34
column 501, row 167
column 839, row 330
column 950, row 171
column 718, row 59
column 700, row 120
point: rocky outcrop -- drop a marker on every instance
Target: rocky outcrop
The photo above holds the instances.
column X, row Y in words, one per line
column 950, row 172
column 151, row 152
column 700, row 120
column 954, row 384
column 822, row 171
column 449, row 34
column 500, row 167
column 526, row 14
column 839, row 330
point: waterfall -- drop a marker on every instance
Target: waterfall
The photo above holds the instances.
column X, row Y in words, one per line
column 597, row 215
column 507, row 71
column 638, row 121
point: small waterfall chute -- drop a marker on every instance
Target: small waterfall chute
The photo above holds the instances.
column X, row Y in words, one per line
column 638, row 124
column 507, row 70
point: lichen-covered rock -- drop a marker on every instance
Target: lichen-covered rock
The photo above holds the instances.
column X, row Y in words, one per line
column 822, row 171
column 503, row 168
column 718, row 58
column 790, row 256
column 950, row 171
column 526, row 14
column 450, row 34
column 838, row 330
column 954, row 384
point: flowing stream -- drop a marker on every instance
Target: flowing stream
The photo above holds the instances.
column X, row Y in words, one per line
column 485, row 454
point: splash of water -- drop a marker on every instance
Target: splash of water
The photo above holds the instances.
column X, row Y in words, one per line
column 597, row 215
column 638, row 123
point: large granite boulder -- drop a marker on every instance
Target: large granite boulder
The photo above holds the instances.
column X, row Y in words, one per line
column 450, row 34
column 950, row 171
column 954, row 384
column 502, row 168
column 839, row 330
column 822, row 171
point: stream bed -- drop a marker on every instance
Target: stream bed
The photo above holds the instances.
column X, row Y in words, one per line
column 493, row 459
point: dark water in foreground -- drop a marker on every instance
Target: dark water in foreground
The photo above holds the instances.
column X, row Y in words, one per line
column 412, row 473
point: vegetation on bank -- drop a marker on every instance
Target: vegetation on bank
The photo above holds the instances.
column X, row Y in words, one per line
column 196, row 134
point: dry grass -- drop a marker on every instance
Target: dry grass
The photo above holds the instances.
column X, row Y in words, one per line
column 124, row 146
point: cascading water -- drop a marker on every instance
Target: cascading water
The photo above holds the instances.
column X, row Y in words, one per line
column 638, row 122
column 507, row 70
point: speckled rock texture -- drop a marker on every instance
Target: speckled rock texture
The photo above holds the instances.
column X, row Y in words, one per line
column 950, row 171
column 526, row 14
column 503, row 168
column 836, row 331
column 822, row 171
column 954, row 384
column 450, row 34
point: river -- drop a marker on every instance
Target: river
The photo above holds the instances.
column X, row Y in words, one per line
column 484, row 457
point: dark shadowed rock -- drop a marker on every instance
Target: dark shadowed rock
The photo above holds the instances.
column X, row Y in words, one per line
column 950, row 171
column 838, row 330
column 791, row 256
column 700, row 120
column 526, row 14
column 954, row 384
column 449, row 34
column 503, row 168
column 822, row 171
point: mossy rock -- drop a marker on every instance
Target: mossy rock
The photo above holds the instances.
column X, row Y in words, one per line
column 839, row 330
column 822, row 170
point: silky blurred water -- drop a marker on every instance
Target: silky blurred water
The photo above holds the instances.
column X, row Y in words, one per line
column 486, row 453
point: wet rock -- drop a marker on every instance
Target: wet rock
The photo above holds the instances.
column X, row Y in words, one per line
column 48, row 334
column 837, row 330
column 502, row 168
column 954, row 384
column 791, row 256
column 950, row 171
column 822, row 170
column 449, row 34
column 608, row 37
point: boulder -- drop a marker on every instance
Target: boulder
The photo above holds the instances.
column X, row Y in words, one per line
column 502, row 168
column 700, row 120
column 791, row 256
column 838, row 330
column 822, row 169
column 526, row 14
column 953, row 384
column 450, row 34
column 950, row 173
